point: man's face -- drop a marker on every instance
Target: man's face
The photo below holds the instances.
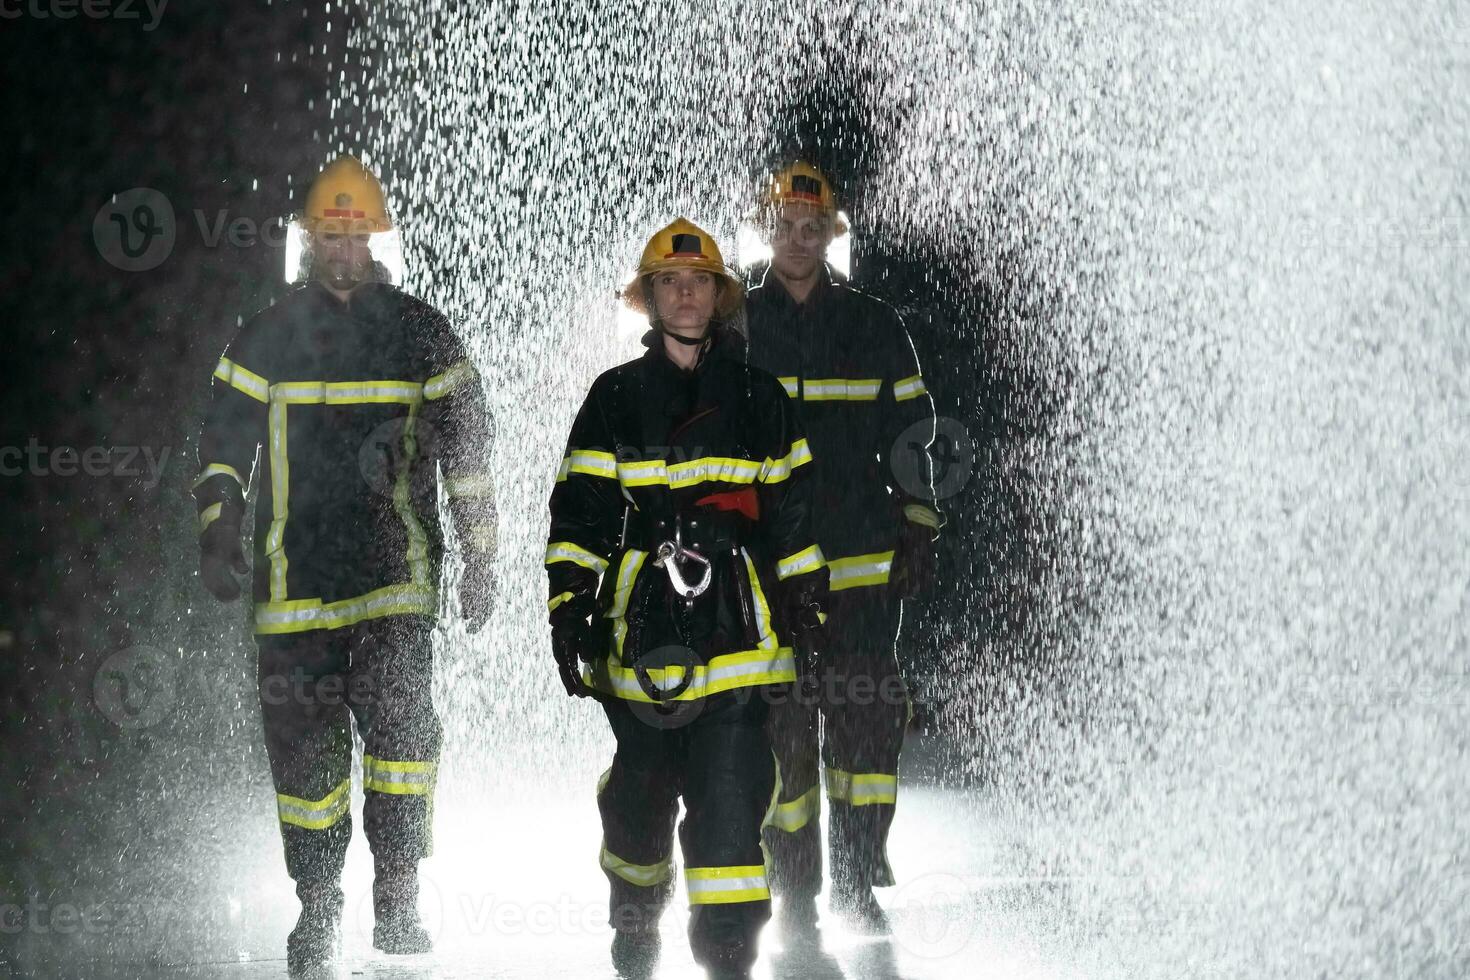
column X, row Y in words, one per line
column 799, row 236
column 341, row 257
column 685, row 299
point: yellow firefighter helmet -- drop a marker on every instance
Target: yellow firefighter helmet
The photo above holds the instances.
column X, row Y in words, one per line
column 347, row 197
column 684, row 245
column 801, row 183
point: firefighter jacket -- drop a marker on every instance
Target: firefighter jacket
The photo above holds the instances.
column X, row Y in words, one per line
column 716, row 457
column 846, row 358
column 362, row 408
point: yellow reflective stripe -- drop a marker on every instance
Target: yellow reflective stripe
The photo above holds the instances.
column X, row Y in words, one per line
column 574, row 553
column 763, row 629
column 806, row 560
column 209, row 515
column 589, row 462
column 796, row 814
column 243, row 379
column 297, row 615
column 442, row 384
column 315, row 814
column 859, row 570
column 862, row 788
column 557, row 600
column 416, row 553
column 469, row 486
column 218, row 469
column 723, row 886
column 398, row 778
column 643, row 474
column 789, row 383
column 919, row 514
column 776, row 470
column 642, row 875
column 628, row 570
column 909, row 388
column 712, row 468
column 275, row 538
column 841, row 389
column 347, row 392
column 746, row 668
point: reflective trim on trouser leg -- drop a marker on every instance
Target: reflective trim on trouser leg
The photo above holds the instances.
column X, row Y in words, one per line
column 724, row 886
column 795, row 814
column 316, row 814
column 862, row 788
column 642, row 875
column 398, row 778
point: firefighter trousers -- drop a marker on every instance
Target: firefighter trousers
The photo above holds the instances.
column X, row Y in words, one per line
column 376, row 673
column 850, row 717
column 719, row 761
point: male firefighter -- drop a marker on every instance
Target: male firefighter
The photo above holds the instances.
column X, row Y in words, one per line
column 846, row 359
column 682, row 570
column 365, row 405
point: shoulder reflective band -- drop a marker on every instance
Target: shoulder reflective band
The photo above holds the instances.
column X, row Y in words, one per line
column 862, row 788
column 574, row 553
column 442, row 384
column 797, row 813
column 209, row 515
column 588, row 462
column 297, row 615
column 789, row 384
column 218, row 469
column 724, row 886
column 909, row 388
column 242, row 379
column 806, row 560
column 841, row 389
column 859, row 570
column 776, row 470
column 315, row 814
column 642, row 875
column 397, row 778
column 919, row 514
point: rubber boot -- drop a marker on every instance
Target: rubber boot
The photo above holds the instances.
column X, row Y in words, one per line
column 796, row 918
column 317, row 939
column 635, row 953
column 859, row 909
column 397, row 929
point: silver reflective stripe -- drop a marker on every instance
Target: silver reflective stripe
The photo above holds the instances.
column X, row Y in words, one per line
column 442, row 384
column 643, row 875
column 909, row 388
column 242, row 379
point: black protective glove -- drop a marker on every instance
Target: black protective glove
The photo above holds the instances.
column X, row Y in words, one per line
column 221, row 559
column 912, row 573
column 476, row 592
column 572, row 642
column 803, row 608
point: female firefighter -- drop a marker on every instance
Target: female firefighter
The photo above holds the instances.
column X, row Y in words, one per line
column 679, row 527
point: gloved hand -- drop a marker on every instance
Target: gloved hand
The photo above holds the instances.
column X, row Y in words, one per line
column 221, row 559
column 476, row 593
column 912, row 573
column 803, row 601
column 572, row 642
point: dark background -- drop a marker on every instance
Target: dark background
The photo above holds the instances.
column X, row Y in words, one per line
column 224, row 108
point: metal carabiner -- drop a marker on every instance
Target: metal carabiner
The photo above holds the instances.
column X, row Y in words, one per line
column 667, row 557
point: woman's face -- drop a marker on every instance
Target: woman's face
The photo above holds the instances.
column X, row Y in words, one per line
column 685, row 299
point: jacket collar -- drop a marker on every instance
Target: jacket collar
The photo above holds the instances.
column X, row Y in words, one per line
column 774, row 291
